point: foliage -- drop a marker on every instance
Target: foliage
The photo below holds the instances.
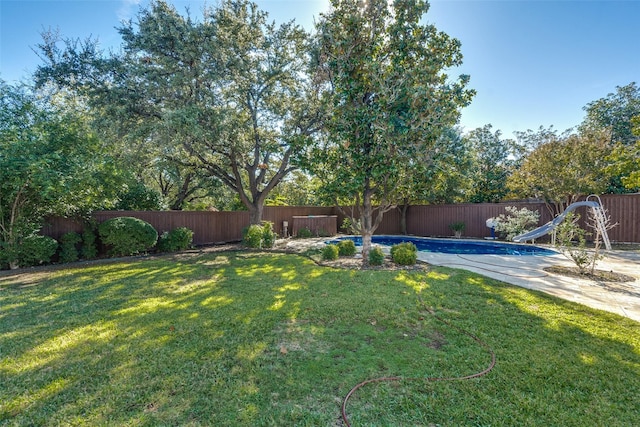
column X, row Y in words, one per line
column 491, row 165
column 403, row 246
column 347, row 247
column 69, row 247
column 388, row 99
column 376, row 256
column 614, row 114
column 624, row 161
column 138, row 197
column 571, row 242
column 404, row 253
column 51, row 163
column 230, row 96
column 252, row 236
column 330, row 252
column 133, row 334
column 28, row 251
column 304, row 233
column 175, row 240
column 127, row 235
column 351, row 226
column 268, row 236
column 457, row 227
column 562, row 170
column 515, row 221
column 259, row 236
column 89, row 247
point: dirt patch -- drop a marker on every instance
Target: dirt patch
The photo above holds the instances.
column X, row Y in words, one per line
column 597, row 275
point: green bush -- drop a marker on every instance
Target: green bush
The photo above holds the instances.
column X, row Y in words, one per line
column 304, row 233
column 252, row 236
column 69, row 247
column 127, row 235
column 268, row 236
column 346, row 248
column 515, row 221
column 89, row 247
column 32, row 250
column 403, row 246
column 376, row 256
column 405, row 256
column 330, row 252
column 175, row 240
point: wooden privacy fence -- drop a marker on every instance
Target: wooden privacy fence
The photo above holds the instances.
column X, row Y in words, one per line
column 429, row 220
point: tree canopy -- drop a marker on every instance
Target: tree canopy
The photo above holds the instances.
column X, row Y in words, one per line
column 389, row 99
column 229, row 96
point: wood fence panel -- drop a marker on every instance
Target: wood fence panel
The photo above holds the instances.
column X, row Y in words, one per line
column 424, row 220
column 208, row 227
column 624, row 210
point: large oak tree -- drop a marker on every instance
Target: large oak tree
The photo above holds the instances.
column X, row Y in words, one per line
column 228, row 96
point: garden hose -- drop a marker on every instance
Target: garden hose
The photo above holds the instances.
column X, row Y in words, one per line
column 428, row 379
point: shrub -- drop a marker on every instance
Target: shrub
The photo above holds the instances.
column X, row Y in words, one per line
column 69, row 247
column 32, row 250
column 346, row 248
column 89, row 247
column 571, row 242
column 252, row 236
column 404, row 253
column 127, row 235
column 404, row 245
column 457, row 228
column 304, row 233
column 330, row 252
column 404, row 256
column 268, row 236
column 175, row 240
column 516, row 221
column 376, row 256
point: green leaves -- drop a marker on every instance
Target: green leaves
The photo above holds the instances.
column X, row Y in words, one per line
column 390, row 96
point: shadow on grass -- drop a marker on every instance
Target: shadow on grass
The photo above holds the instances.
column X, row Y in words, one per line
column 269, row 339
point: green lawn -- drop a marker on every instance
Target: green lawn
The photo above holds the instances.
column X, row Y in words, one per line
column 242, row 338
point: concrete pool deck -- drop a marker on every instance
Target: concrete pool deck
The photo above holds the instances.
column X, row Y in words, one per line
column 528, row 272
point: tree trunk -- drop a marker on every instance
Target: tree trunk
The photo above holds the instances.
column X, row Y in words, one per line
column 403, row 217
column 367, row 224
column 255, row 212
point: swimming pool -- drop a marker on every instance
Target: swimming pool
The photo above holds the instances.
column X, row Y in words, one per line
column 451, row 246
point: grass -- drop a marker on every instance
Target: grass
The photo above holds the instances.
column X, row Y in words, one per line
column 242, row 338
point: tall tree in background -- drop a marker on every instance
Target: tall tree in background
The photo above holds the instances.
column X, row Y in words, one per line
column 625, row 161
column 563, row 169
column 441, row 175
column 615, row 115
column 492, row 164
column 389, row 99
column 229, row 96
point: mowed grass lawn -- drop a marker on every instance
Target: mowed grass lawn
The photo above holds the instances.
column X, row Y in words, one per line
column 246, row 338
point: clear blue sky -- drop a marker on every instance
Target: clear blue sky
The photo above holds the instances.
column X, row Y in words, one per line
column 533, row 62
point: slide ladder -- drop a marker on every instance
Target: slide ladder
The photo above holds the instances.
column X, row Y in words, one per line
column 601, row 220
column 598, row 213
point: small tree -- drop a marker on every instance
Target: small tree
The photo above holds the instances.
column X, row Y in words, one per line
column 571, row 242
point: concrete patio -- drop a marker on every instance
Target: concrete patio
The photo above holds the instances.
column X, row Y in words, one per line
column 528, row 272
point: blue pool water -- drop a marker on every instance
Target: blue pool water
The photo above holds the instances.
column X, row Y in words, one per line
column 451, row 246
